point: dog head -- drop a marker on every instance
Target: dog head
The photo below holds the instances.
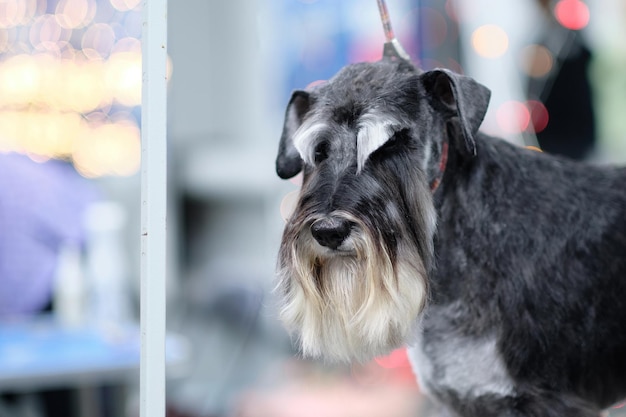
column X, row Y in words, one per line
column 355, row 255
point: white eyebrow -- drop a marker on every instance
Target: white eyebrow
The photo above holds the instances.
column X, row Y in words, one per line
column 304, row 139
column 374, row 131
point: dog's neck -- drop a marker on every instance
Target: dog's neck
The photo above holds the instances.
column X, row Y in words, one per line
column 443, row 161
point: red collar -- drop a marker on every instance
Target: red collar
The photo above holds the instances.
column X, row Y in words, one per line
column 442, row 167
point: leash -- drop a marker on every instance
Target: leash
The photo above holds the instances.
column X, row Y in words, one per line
column 392, row 48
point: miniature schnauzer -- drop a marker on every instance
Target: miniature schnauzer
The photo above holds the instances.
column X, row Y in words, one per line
column 502, row 268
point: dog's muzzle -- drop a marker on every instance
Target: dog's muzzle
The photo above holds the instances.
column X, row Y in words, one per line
column 331, row 231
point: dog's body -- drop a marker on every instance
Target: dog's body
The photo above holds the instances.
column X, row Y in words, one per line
column 527, row 302
column 504, row 269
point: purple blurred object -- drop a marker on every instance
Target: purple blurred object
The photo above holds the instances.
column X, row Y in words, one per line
column 41, row 208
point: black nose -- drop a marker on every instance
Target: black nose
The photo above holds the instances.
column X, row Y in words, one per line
column 330, row 231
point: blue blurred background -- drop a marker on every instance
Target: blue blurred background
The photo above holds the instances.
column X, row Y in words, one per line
column 70, row 113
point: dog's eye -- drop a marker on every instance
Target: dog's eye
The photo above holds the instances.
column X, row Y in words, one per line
column 396, row 140
column 397, row 143
column 400, row 136
column 321, row 152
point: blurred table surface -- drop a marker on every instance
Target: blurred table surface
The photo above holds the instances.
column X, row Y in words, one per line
column 40, row 352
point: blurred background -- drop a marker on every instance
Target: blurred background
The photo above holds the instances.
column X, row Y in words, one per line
column 70, row 110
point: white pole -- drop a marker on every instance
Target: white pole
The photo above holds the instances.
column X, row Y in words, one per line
column 153, row 207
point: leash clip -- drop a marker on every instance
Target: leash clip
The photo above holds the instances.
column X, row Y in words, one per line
column 392, row 48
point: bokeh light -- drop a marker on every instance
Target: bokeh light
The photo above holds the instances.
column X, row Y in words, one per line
column 98, row 40
column 123, row 78
column 46, row 33
column 125, row 5
column 70, row 78
column 539, row 116
column 513, row 117
column 5, row 40
column 16, row 12
column 109, row 148
column 572, row 14
column 490, row 41
column 536, row 60
column 84, row 84
column 48, row 133
column 314, row 84
column 74, row 14
column 20, row 79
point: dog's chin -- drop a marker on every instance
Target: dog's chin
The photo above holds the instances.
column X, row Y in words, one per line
column 350, row 304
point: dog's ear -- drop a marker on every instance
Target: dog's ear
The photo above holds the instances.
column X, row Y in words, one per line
column 288, row 161
column 462, row 95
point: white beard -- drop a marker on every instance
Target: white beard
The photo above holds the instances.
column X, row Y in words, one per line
column 350, row 306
